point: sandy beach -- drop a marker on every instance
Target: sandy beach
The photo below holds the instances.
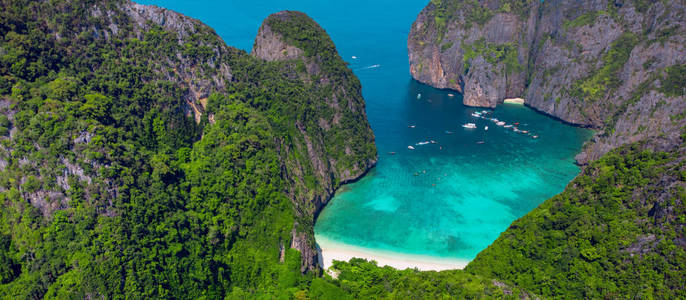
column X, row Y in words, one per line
column 514, row 101
column 337, row 251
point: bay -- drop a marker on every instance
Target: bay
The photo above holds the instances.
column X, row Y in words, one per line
column 449, row 199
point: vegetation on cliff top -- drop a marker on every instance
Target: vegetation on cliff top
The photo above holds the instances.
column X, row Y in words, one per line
column 300, row 30
column 472, row 12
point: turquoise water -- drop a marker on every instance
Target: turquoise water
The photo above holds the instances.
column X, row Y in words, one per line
column 449, row 199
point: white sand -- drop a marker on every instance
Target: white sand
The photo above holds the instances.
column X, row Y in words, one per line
column 514, row 101
column 337, row 251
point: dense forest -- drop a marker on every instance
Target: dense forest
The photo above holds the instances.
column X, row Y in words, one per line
column 149, row 160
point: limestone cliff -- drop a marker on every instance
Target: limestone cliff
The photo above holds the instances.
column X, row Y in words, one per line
column 603, row 64
column 294, row 38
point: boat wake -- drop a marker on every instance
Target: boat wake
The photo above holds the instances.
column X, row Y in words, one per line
column 370, row 67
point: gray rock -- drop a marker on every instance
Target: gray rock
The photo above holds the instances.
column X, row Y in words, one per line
column 561, row 44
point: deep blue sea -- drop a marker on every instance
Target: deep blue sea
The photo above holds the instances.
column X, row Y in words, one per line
column 451, row 198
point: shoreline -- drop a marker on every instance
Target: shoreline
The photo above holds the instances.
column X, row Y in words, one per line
column 330, row 250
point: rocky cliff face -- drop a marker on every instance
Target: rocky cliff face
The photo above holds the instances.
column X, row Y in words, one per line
column 603, row 64
column 294, row 38
column 183, row 68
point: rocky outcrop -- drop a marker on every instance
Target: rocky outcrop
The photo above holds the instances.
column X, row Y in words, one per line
column 270, row 46
column 601, row 64
column 337, row 97
column 201, row 75
column 483, row 61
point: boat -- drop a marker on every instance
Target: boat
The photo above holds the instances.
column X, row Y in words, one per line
column 525, row 131
column 534, row 136
column 410, row 147
column 484, row 111
column 451, row 95
column 480, row 142
column 433, row 142
column 476, row 114
column 354, row 57
column 469, row 125
column 411, row 126
column 486, row 128
column 500, row 123
column 391, row 153
column 508, row 126
column 422, row 143
column 516, row 123
column 419, row 96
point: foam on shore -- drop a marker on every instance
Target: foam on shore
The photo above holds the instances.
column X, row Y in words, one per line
column 331, row 250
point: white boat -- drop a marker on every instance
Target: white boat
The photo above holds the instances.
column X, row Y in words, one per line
column 476, row 114
column 433, row 142
column 486, row 128
column 484, row 111
column 419, row 96
column 412, row 126
column 535, row 136
column 422, row 143
column 451, row 95
column 354, row 57
column 410, row 147
column 508, row 126
column 469, row 125
column 525, row 131
column 500, row 123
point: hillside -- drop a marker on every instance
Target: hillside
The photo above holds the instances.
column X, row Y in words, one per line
column 617, row 231
column 142, row 156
